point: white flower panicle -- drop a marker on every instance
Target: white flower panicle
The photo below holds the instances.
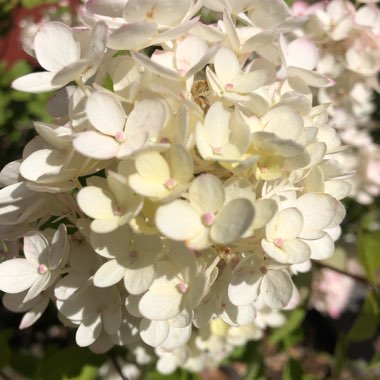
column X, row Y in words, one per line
column 187, row 183
column 348, row 39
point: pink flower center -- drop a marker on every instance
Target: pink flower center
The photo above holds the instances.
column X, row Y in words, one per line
column 208, row 218
column 120, row 136
column 118, row 211
column 42, row 269
column 279, row 242
column 229, row 87
column 217, row 150
column 171, row 183
column 182, row 287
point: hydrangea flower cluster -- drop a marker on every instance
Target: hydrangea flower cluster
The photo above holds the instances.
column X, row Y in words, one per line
column 187, row 177
column 348, row 39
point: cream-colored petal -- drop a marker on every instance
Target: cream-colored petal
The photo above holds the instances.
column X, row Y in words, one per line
column 232, row 221
column 206, row 193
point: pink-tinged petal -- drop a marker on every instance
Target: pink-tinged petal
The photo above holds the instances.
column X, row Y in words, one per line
column 36, row 83
column 105, row 113
column 17, row 275
column 302, row 53
column 71, row 72
column 133, row 36
column 34, row 314
column 36, row 248
column 96, row 145
column 153, row 333
column 56, row 46
column 178, row 220
column 110, row 273
column 88, row 331
column 276, row 288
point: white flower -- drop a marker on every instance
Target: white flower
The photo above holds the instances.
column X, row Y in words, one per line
column 160, row 177
column 255, row 277
column 179, row 286
column 59, row 52
column 116, row 134
column 109, row 202
column 134, row 262
column 281, row 242
column 205, row 218
column 39, row 269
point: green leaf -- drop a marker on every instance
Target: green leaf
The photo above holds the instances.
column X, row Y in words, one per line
column 295, row 319
column 6, row 352
column 365, row 325
column 73, row 363
column 369, row 247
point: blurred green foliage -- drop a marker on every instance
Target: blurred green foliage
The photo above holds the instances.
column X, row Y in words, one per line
column 18, row 110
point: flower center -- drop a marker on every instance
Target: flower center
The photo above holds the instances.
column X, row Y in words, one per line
column 217, row 150
column 229, row 87
column 279, row 242
column 120, row 136
column 182, row 287
column 171, row 183
column 42, row 269
column 208, row 218
column 118, row 211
